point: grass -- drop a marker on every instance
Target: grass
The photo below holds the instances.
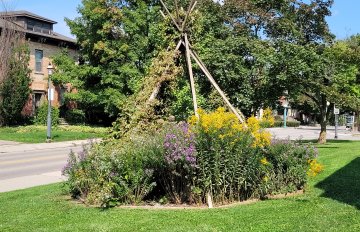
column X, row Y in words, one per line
column 37, row 134
column 331, row 203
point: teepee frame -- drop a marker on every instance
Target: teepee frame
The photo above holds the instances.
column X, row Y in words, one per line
column 190, row 55
column 180, row 24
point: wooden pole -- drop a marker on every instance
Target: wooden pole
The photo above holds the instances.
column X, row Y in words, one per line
column 177, row 12
column 192, row 81
column 213, row 82
column 172, row 18
column 162, row 14
column 192, row 9
column 187, row 15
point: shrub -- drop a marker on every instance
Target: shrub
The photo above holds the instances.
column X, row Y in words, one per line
column 223, row 145
column 291, row 164
column 110, row 174
column 42, row 112
column 288, row 124
column 75, row 116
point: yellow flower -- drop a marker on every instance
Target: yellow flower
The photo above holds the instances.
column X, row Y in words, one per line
column 265, row 178
column 264, row 161
column 315, row 168
column 221, row 136
column 221, row 124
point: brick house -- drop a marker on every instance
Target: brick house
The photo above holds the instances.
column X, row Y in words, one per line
column 43, row 43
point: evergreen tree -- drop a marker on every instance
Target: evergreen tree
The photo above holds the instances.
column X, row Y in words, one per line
column 15, row 89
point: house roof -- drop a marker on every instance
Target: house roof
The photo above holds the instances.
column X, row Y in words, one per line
column 23, row 13
column 16, row 26
column 54, row 35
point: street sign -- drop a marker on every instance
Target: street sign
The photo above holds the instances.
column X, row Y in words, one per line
column 336, row 111
column 51, row 94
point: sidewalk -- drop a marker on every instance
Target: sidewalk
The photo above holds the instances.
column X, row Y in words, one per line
column 30, row 181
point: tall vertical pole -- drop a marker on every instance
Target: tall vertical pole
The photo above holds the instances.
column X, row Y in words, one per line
column 48, row 136
column 336, row 113
column 192, row 81
column 285, row 116
column 336, row 125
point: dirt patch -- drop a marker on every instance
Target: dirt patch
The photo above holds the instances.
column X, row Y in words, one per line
column 184, row 206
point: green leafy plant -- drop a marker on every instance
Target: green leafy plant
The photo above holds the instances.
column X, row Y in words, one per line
column 288, row 124
column 75, row 116
column 42, row 112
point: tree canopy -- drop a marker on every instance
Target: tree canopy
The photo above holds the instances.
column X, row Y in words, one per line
column 255, row 49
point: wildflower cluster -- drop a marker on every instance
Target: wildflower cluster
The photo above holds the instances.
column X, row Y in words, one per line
column 219, row 121
column 315, row 168
column 223, row 124
column 179, row 145
column 264, row 161
column 262, row 138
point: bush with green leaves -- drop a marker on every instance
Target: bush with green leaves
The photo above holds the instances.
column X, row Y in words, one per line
column 42, row 113
column 290, row 164
column 75, row 116
column 114, row 173
column 288, row 124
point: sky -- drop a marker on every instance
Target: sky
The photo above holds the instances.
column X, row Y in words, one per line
column 344, row 21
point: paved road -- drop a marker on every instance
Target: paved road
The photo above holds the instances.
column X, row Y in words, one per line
column 27, row 165
column 16, row 164
column 310, row 133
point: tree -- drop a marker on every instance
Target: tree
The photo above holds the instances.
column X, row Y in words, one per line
column 117, row 44
column 14, row 73
column 300, row 37
column 15, row 89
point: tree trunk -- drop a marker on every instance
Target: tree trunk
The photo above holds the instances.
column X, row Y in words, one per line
column 324, row 115
column 322, row 137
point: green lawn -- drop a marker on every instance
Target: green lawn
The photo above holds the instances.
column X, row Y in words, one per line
column 37, row 134
column 331, row 203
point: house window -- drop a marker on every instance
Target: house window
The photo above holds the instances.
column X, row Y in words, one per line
column 38, row 60
column 37, row 26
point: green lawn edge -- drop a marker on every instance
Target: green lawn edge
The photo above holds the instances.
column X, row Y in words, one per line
column 39, row 136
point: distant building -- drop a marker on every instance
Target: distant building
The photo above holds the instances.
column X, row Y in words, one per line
column 43, row 43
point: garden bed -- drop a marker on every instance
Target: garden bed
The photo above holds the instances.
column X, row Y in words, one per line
column 210, row 160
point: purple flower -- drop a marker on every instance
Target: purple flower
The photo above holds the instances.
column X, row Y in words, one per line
column 179, row 145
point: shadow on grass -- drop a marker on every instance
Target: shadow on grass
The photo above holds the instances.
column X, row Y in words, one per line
column 328, row 142
column 344, row 184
